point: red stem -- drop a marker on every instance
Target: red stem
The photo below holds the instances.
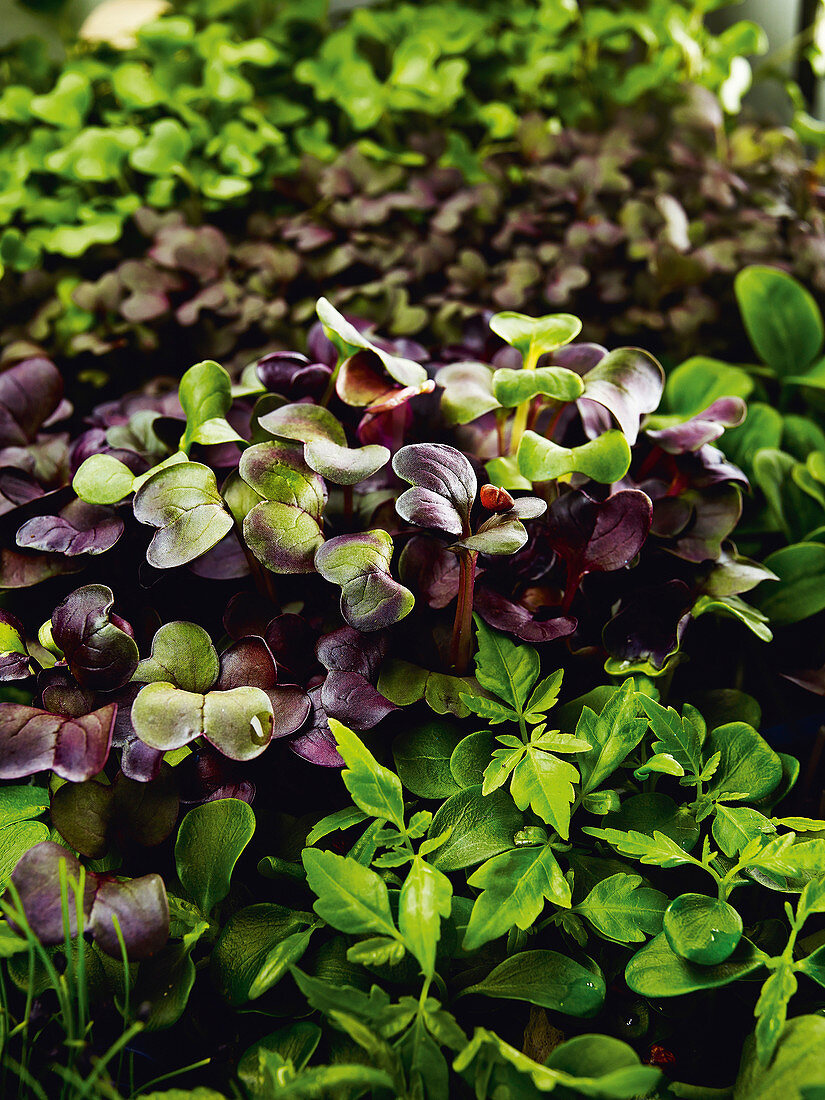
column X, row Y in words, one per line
column 462, row 642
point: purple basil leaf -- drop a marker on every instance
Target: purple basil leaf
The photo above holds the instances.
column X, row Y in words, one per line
column 351, row 699
column 100, row 655
column 29, row 393
column 317, row 745
column 23, row 570
column 598, row 536
column 142, row 911
column 247, row 663
column 431, row 570
column 513, row 618
column 629, row 383
column 650, row 624
column 704, row 427
column 33, row 740
column 348, row 650
column 37, row 880
column 716, row 512
column 17, row 487
column 444, row 487
column 79, row 528
column 293, row 375
column 579, row 357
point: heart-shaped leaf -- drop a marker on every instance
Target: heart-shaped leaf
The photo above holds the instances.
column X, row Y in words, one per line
column 283, row 537
column 535, row 336
column 184, row 504
column 444, row 487
column 326, row 450
column 164, row 150
column 511, row 387
column 33, row 740
column 277, row 472
column 183, row 655
column 348, row 341
column 237, row 722
column 140, row 904
column 100, row 654
column 628, row 383
column 605, row 459
column 599, row 536
column 370, row 598
column 249, row 663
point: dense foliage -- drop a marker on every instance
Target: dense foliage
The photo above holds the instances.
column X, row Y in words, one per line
column 563, row 514
column 218, row 97
column 639, row 230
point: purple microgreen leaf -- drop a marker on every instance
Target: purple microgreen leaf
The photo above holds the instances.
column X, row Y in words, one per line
column 629, row 383
column 351, row 699
column 715, row 513
column 513, row 618
column 431, row 570
column 248, row 662
column 14, row 656
column 142, row 912
column 348, row 650
column 183, row 503
column 580, row 357
column 23, row 570
column 30, row 392
column 37, row 880
column 237, row 722
column 317, row 744
column 226, row 561
column 649, row 625
column 100, row 654
column 62, row 694
column 183, row 655
column 303, row 423
column 17, row 487
column 360, row 564
column 444, row 487
column 292, row 642
column 33, row 740
column 293, row 375
column 598, row 536
column 79, row 528
column 704, row 427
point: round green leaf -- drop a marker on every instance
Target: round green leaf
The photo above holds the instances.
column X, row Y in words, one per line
column 702, row 929
column 511, row 387
column 103, row 479
column 800, row 591
column 534, row 336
